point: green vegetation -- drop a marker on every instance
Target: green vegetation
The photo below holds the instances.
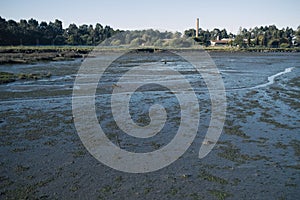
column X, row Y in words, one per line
column 21, row 168
column 196, row 196
column 19, row 149
column 297, row 166
column 267, row 119
column 235, row 181
column 155, row 145
column 173, row 191
column 45, row 48
column 296, row 146
column 232, row 129
column 267, row 36
column 32, row 32
column 74, row 188
column 6, row 77
column 233, row 153
column 221, row 195
column 235, row 130
column 150, row 38
column 209, row 177
column 280, row 145
column 106, row 189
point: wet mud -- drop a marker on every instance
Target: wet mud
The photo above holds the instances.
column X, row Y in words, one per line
column 256, row 157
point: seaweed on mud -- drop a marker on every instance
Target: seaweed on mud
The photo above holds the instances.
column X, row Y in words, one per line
column 290, row 182
column 296, row 166
column 293, row 99
column 290, row 96
column 21, row 168
column 267, row 118
column 251, row 93
column 260, row 141
column 19, row 149
column 143, row 120
column 172, row 191
column 232, row 153
column 295, row 144
column 250, row 113
column 235, row 130
column 79, row 153
column 235, row 181
column 196, row 196
column 25, row 191
column 50, row 142
column 155, row 145
column 74, row 187
column 5, row 182
column 6, row 77
column 21, row 192
column 275, row 123
column 106, row 189
column 147, row 190
column 32, row 135
column 219, row 194
column 119, row 179
column 212, row 178
column 280, row 145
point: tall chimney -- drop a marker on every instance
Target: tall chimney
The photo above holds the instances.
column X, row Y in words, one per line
column 197, row 27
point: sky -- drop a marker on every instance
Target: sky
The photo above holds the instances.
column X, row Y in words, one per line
column 170, row 15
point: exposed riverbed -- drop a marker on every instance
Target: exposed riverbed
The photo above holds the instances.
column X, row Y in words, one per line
column 256, row 157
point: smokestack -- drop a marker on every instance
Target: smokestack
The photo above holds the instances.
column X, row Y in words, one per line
column 197, row 27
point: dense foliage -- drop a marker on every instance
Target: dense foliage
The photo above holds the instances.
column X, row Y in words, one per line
column 32, row 32
column 267, row 36
column 150, row 37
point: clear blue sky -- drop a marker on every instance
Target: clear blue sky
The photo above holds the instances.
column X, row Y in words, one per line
column 172, row 15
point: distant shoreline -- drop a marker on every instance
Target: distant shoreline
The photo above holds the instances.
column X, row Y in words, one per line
column 32, row 54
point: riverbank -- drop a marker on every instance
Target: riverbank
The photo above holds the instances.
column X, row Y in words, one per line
column 6, row 77
column 32, row 54
column 42, row 156
column 251, row 49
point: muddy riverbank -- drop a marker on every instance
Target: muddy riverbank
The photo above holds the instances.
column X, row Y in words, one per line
column 33, row 54
column 256, row 157
column 26, row 56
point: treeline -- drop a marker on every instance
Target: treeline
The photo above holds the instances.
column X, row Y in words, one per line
column 264, row 36
column 32, row 32
column 268, row 36
column 149, row 37
column 205, row 36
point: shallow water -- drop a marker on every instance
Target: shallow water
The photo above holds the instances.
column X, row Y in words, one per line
column 257, row 156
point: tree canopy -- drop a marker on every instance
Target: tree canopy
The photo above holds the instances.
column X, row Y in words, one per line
column 32, row 32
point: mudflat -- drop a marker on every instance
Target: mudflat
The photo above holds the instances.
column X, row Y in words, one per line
column 256, row 157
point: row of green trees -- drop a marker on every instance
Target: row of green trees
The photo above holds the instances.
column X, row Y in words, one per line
column 264, row 36
column 205, row 36
column 32, row 32
column 149, row 37
column 268, row 36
